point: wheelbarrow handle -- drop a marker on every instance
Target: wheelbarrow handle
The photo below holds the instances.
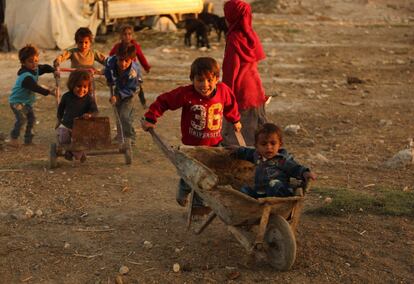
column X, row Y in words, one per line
column 165, row 147
column 240, row 138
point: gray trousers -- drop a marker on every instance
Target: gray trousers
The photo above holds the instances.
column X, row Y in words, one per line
column 126, row 111
column 250, row 119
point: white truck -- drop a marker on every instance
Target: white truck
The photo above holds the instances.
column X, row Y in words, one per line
column 144, row 12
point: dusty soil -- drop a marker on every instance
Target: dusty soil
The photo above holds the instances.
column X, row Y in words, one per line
column 90, row 219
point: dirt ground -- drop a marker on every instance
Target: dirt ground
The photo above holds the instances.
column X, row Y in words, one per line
column 90, row 219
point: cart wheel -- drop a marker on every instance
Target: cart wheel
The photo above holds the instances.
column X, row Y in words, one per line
column 53, row 156
column 280, row 243
column 128, row 152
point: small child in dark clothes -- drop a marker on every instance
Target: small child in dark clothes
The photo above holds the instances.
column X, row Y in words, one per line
column 274, row 165
column 77, row 103
column 22, row 97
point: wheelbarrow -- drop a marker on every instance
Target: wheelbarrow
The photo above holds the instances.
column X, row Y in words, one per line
column 93, row 136
column 265, row 227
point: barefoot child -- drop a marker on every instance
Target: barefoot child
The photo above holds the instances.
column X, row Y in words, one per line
column 124, row 74
column 127, row 34
column 22, row 97
column 203, row 105
column 274, row 165
column 77, row 103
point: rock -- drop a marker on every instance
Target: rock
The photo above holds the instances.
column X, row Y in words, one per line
column 233, row 275
column 401, row 159
column 308, row 142
column 66, row 245
column 292, row 129
column 147, row 244
column 123, row 270
column 176, row 267
column 21, row 213
column 385, row 122
column 353, row 80
column 327, row 200
column 39, row 213
column 320, row 158
column 310, row 92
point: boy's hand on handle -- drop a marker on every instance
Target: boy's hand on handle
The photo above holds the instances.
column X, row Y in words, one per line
column 112, row 100
column 237, row 126
column 86, row 115
column 146, row 125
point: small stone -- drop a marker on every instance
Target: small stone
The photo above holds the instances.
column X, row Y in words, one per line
column 39, row 213
column 310, row 92
column 123, row 269
column 320, row 158
column 385, row 122
column 21, row 213
column 147, row 244
column 66, row 245
column 292, row 129
column 328, row 200
column 176, row 267
column 401, row 159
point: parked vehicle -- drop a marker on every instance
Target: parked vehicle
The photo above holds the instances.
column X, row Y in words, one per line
column 144, row 12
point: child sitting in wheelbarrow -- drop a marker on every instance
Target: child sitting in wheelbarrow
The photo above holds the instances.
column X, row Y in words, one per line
column 77, row 103
column 203, row 104
column 274, row 165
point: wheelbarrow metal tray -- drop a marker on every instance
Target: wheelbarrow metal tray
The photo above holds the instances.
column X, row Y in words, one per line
column 93, row 133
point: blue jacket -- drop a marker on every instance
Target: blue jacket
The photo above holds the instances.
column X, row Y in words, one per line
column 127, row 83
column 281, row 167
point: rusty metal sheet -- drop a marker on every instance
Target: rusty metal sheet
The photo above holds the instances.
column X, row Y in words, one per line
column 91, row 133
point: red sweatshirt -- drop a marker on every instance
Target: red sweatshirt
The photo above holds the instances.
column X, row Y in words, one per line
column 140, row 55
column 201, row 118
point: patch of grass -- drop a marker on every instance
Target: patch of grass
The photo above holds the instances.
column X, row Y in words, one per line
column 293, row 31
column 380, row 201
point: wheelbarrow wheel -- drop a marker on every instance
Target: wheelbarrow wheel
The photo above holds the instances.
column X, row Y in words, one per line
column 53, row 156
column 128, row 152
column 280, row 243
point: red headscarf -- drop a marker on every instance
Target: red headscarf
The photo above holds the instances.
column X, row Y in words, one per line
column 241, row 35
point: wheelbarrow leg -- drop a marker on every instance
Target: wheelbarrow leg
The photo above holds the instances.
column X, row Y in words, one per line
column 211, row 216
column 242, row 238
column 262, row 227
column 190, row 209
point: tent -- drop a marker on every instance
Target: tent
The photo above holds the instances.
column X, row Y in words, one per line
column 48, row 23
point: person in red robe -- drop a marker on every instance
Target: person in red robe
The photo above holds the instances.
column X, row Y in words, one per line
column 242, row 54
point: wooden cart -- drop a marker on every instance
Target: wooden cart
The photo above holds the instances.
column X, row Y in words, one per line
column 265, row 227
column 93, row 136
